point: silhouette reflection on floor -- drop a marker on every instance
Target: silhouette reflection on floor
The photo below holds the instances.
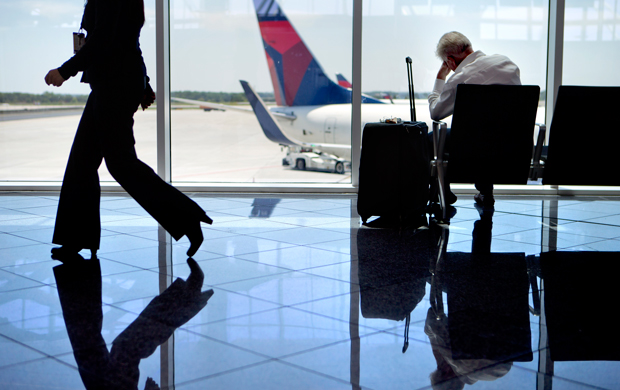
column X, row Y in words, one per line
column 79, row 290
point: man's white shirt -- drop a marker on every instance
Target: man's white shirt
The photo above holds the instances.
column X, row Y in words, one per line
column 476, row 68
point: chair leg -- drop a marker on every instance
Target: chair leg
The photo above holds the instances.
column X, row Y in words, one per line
column 441, row 181
column 440, row 132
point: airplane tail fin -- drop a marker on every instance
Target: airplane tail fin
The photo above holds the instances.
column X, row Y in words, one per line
column 342, row 81
column 297, row 77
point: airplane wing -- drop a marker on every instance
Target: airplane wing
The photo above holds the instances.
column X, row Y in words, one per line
column 224, row 107
column 215, row 106
column 266, row 119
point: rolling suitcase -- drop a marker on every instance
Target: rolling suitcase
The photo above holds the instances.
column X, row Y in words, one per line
column 394, row 171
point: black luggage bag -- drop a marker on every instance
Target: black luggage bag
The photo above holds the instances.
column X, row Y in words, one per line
column 394, row 173
column 394, row 170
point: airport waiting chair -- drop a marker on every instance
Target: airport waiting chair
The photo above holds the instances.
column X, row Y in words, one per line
column 491, row 137
column 575, row 143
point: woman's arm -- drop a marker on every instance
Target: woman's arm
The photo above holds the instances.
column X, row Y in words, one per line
column 104, row 16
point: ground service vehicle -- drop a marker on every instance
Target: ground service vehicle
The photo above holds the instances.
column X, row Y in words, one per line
column 306, row 158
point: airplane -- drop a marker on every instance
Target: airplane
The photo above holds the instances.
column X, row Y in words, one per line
column 385, row 96
column 342, row 81
column 313, row 112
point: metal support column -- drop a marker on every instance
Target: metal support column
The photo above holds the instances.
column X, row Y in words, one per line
column 356, row 98
column 555, row 55
column 166, row 350
column 162, row 85
column 354, row 313
column 549, row 229
column 544, row 379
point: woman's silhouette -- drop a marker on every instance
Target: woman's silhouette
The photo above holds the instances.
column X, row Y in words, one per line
column 112, row 63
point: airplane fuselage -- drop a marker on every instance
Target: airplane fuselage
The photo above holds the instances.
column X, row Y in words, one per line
column 331, row 124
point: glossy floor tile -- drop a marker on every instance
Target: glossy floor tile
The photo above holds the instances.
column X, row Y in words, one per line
column 291, row 292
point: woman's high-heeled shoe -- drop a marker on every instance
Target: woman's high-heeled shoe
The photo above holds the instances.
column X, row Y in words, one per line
column 194, row 235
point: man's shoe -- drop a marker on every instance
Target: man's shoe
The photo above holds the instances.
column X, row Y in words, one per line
column 484, row 200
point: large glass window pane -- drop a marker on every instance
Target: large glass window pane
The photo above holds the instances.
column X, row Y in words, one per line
column 38, row 122
column 217, row 43
column 591, row 43
column 395, row 29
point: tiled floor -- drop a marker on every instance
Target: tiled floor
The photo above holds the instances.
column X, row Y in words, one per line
column 306, row 299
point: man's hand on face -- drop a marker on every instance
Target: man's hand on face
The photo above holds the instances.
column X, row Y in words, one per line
column 444, row 70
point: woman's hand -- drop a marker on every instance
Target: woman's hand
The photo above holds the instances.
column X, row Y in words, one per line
column 54, row 78
column 148, row 98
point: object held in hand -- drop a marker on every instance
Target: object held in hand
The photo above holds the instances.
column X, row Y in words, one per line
column 79, row 39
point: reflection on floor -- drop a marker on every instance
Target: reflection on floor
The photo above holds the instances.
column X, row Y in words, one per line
column 519, row 297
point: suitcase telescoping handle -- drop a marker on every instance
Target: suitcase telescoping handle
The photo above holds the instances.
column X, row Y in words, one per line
column 410, row 79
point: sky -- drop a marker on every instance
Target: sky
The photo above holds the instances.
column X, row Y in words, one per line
column 215, row 43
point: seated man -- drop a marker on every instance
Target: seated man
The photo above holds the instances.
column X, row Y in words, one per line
column 469, row 67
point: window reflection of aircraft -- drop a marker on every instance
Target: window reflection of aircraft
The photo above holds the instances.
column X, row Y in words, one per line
column 312, row 111
column 263, row 207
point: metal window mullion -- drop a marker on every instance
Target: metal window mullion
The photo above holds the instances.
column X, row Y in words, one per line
column 356, row 99
column 162, row 42
column 166, row 350
column 555, row 54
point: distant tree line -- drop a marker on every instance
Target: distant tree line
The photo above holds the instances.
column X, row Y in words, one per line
column 44, row 98
column 213, row 97
column 267, row 96
column 49, row 98
column 423, row 95
column 219, row 97
column 397, row 95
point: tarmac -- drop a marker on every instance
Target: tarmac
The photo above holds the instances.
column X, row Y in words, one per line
column 215, row 146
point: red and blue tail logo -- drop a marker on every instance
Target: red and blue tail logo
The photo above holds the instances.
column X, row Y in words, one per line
column 298, row 79
column 342, row 81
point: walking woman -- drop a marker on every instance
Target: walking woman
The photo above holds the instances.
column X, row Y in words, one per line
column 112, row 63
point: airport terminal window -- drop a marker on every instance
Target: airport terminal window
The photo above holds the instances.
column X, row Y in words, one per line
column 393, row 30
column 38, row 122
column 216, row 44
column 591, row 43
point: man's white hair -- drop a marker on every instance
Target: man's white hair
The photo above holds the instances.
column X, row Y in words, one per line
column 452, row 44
